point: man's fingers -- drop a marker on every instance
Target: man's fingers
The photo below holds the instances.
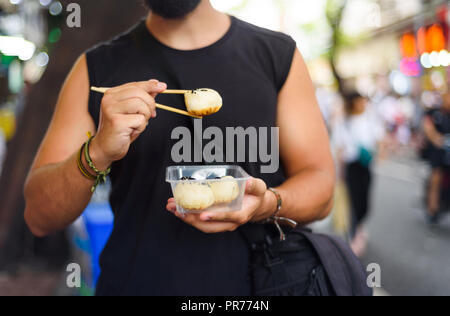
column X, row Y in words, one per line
column 238, row 217
column 198, row 220
column 144, row 90
column 133, row 106
column 255, row 187
column 150, row 86
column 154, row 87
column 135, row 122
column 133, row 92
column 206, row 227
column 171, row 205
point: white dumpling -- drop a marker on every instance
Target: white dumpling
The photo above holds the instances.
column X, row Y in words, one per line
column 225, row 191
column 203, row 102
column 193, row 196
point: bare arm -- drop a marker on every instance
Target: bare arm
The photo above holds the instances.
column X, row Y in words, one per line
column 55, row 191
column 305, row 149
column 54, row 178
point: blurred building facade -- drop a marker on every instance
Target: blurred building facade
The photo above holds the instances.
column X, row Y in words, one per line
column 408, row 38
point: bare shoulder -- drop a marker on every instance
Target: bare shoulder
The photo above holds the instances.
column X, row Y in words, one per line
column 298, row 76
column 304, row 139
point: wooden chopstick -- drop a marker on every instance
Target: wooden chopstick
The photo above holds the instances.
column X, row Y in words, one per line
column 176, row 91
column 160, row 106
column 103, row 90
column 174, row 110
column 99, row 90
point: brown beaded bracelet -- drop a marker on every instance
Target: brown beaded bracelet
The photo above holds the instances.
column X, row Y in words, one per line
column 100, row 175
column 81, row 167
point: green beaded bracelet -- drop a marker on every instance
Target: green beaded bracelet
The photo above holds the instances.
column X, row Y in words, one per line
column 100, row 175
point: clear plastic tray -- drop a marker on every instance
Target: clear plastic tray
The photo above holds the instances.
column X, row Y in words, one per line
column 208, row 176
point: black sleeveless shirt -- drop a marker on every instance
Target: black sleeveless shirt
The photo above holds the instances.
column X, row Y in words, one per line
column 150, row 251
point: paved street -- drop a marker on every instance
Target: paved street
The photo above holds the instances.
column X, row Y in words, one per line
column 414, row 257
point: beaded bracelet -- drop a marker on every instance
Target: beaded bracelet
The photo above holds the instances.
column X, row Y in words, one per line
column 81, row 167
column 100, row 175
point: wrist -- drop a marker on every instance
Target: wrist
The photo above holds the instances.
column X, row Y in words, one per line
column 98, row 156
column 268, row 207
column 279, row 202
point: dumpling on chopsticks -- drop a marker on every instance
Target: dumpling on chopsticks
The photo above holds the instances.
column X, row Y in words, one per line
column 202, row 102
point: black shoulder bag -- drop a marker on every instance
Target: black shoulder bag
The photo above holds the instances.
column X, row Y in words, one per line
column 303, row 264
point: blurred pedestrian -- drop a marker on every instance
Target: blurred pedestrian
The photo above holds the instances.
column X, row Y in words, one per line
column 436, row 125
column 357, row 138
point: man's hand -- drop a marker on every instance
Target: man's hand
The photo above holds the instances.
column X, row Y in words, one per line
column 209, row 222
column 125, row 112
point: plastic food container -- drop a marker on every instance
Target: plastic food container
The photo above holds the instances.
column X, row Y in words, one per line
column 198, row 189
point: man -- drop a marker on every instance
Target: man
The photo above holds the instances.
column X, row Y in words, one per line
column 185, row 45
column 437, row 128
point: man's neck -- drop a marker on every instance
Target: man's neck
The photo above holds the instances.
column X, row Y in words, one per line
column 201, row 28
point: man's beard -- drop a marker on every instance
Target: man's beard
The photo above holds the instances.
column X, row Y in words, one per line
column 172, row 9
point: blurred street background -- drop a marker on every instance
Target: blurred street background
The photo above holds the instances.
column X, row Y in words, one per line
column 393, row 54
column 414, row 257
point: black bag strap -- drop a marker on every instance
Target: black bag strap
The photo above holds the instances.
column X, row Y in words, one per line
column 328, row 255
column 357, row 272
column 343, row 269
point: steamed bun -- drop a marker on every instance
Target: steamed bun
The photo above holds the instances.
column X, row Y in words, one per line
column 225, row 191
column 202, row 102
column 193, row 196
